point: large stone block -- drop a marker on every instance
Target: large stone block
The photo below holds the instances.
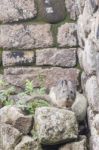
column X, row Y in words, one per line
column 52, row 10
column 67, row 35
column 56, row 57
column 24, row 36
column 55, row 125
column 49, row 76
column 17, row 10
column 9, row 137
column 18, row 58
column 15, row 117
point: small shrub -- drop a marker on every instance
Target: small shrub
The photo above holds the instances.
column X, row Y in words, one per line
column 4, row 96
column 31, row 107
column 29, row 87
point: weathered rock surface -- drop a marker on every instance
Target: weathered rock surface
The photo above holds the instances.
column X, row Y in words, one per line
column 80, row 57
column 89, row 58
column 18, row 58
column 28, row 143
column 93, row 122
column 17, row 10
column 56, row 57
column 79, row 145
column 63, row 94
column 9, row 137
column 84, row 24
column 52, row 10
column 88, row 35
column 67, row 35
column 92, row 93
column 18, row 76
column 74, row 8
column 91, row 117
column 24, row 36
column 93, row 5
column 79, row 107
column 97, row 67
column 84, row 78
column 14, row 116
column 55, row 125
column 94, row 36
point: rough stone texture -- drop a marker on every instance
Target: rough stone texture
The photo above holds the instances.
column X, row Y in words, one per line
column 79, row 107
column 92, row 92
column 91, row 117
column 93, row 5
column 18, row 58
column 9, row 137
column 84, row 78
column 17, row 10
column 18, row 76
column 88, row 35
column 63, row 94
column 94, row 36
column 74, row 8
column 28, row 143
column 14, row 116
column 84, row 24
column 80, row 56
column 67, row 35
column 89, row 58
column 79, row 145
column 92, row 121
column 55, row 125
column 52, row 10
column 97, row 67
column 24, row 36
column 56, row 57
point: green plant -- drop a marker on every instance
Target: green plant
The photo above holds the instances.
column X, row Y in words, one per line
column 8, row 102
column 31, row 107
column 29, row 87
column 4, row 96
column 10, row 91
column 2, row 83
column 41, row 91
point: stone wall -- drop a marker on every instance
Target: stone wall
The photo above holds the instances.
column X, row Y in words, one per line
column 88, row 35
column 42, row 40
column 39, row 40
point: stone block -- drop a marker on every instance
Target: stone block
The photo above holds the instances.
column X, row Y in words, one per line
column 17, row 10
column 67, row 35
column 52, row 11
column 22, row 36
column 47, row 76
column 18, row 58
column 55, row 126
column 56, row 57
